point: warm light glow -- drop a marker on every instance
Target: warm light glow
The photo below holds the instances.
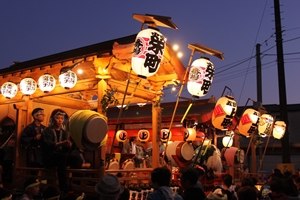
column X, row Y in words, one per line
column 190, row 134
column 141, row 104
column 249, row 122
column 28, row 86
column 175, row 47
column 68, row 79
column 165, row 135
column 79, row 71
column 9, row 90
column 46, row 83
column 148, row 52
column 279, row 129
column 179, row 54
column 201, row 75
column 206, row 142
column 265, row 125
column 143, row 135
column 227, row 141
column 121, row 135
column 173, row 88
column 120, row 106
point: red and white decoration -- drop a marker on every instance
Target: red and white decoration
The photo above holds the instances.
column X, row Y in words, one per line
column 249, row 122
column 143, row 135
column 121, row 135
column 165, row 135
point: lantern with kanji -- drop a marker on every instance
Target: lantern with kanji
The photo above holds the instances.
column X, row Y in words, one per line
column 224, row 112
column 143, row 135
column 279, row 129
column 9, row 89
column 249, row 122
column 121, row 135
column 46, row 83
column 190, row 134
column 200, row 77
column 165, row 135
column 68, row 79
column 227, row 141
column 28, row 86
column 265, row 126
column 148, row 52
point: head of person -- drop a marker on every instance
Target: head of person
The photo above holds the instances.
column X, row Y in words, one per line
column 248, row 182
column 38, row 114
column 160, row 176
column 32, row 186
column 188, row 178
column 5, row 194
column 276, row 185
column 51, row 192
column 227, row 180
column 200, row 172
column 247, row 193
column 109, row 187
column 58, row 117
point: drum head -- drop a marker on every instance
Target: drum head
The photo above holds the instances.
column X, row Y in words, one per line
column 128, row 164
column 187, row 151
column 113, row 165
column 95, row 129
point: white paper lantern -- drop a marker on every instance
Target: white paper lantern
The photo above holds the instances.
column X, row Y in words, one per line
column 165, row 135
column 190, row 134
column 200, row 77
column 143, row 135
column 265, row 126
column 279, row 129
column 68, row 79
column 121, row 135
column 224, row 112
column 46, row 83
column 9, row 89
column 249, row 122
column 28, row 86
column 148, row 52
column 227, row 141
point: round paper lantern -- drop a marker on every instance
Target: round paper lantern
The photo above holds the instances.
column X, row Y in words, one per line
column 224, row 112
column 68, row 79
column 121, row 135
column 265, row 125
column 148, row 52
column 279, row 129
column 249, row 122
column 28, row 86
column 9, row 89
column 46, row 83
column 143, row 135
column 227, row 141
column 200, row 77
column 165, row 135
column 189, row 134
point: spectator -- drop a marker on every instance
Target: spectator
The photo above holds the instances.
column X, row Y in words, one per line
column 276, row 187
column 32, row 189
column 51, row 192
column 160, row 180
column 200, row 173
column 217, row 194
column 247, row 193
column 125, row 194
column 109, row 187
column 289, row 189
column 227, row 182
column 31, row 138
column 55, row 148
column 188, row 180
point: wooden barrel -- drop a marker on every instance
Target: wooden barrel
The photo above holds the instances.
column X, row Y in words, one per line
column 184, row 151
column 87, row 128
column 232, row 156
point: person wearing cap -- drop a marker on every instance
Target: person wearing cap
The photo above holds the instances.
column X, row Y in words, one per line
column 109, row 187
column 55, row 148
column 32, row 189
column 31, row 138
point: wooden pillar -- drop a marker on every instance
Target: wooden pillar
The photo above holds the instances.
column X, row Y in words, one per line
column 253, row 153
column 156, row 126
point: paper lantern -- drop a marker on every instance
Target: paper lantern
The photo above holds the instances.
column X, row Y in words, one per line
column 189, row 134
column 200, row 77
column 224, row 112
column 249, row 122
column 148, row 52
column 265, row 125
column 28, row 86
column 121, row 135
column 9, row 89
column 165, row 135
column 143, row 135
column 227, row 141
column 279, row 129
column 68, row 79
column 46, row 83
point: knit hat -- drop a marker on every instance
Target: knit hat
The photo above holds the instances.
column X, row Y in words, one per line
column 109, row 186
column 37, row 111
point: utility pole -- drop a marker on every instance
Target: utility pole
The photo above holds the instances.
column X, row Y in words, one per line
column 286, row 158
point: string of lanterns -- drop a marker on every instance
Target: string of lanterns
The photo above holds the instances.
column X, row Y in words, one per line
column 46, row 83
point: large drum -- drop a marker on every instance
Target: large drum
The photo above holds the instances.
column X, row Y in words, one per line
column 113, row 165
column 184, row 151
column 87, row 129
column 128, row 164
column 232, row 155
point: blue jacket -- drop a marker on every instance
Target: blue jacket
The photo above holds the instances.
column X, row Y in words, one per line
column 164, row 193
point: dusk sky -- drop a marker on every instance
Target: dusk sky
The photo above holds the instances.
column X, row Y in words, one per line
column 33, row 29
